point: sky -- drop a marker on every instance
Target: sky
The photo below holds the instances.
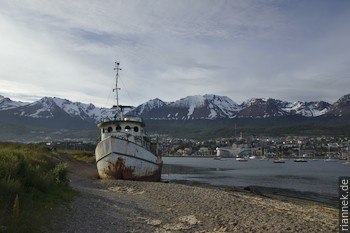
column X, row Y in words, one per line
column 169, row 49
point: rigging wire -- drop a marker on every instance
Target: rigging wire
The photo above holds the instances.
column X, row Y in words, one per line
column 126, row 90
column 111, row 92
column 109, row 96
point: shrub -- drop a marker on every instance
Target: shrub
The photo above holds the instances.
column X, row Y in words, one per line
column 30, row 185
column 59, row 173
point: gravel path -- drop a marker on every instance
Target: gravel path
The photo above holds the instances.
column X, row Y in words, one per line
column 129, row 206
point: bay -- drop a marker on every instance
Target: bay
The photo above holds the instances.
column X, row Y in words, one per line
column 312, row 180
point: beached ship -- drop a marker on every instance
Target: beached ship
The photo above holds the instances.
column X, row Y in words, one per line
column 124, row 151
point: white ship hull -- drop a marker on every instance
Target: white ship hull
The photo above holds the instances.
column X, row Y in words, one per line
column 118, row 158
column 125, row 151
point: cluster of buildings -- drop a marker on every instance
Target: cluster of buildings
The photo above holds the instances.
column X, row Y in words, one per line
column 289, row 146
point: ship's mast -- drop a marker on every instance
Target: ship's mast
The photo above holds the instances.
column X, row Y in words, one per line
column 120, row 108
column 116, row 89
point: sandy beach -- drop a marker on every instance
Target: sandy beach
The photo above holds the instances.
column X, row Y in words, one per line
column 129, row 206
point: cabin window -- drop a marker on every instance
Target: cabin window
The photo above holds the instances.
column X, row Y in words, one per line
column 127, row 128
column 136, row 129
column 118, row 128
column 109, row 129
column 103, row 130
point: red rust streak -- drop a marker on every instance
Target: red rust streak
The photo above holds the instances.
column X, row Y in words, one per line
column 120, row 171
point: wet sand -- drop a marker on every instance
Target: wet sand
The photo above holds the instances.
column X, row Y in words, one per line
column 129, row 206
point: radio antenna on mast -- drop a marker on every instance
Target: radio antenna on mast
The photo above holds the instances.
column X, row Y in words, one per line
column 120, row 108
column 116, row 89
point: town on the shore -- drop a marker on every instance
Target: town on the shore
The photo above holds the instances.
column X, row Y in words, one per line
column 312, row 147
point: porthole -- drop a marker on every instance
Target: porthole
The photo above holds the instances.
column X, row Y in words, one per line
column 136, row 129
column 127, row 128
column 118, row 128
column 109, row 129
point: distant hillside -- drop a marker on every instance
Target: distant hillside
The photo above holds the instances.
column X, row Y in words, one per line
column 61, row 118
column 272, row 126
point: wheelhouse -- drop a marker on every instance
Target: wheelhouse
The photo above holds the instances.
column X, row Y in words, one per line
column 128, row 127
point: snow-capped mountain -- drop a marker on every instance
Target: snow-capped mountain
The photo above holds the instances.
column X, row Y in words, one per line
column 221, row 106
column 7, row 103
column 308, row 109
column 262, row 108
column 56, row 112
column 340, row 107
column 190, row 107
column 145, row 108
column 48, row 107
column 52, row 112
column 214, row 107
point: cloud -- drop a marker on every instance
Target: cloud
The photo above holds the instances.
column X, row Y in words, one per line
column 171, row 49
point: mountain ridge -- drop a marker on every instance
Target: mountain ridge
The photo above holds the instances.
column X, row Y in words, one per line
column 202, row 116
column 215, row 107
column 208, row 106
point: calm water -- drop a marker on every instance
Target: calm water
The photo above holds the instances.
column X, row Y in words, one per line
column 314, row 180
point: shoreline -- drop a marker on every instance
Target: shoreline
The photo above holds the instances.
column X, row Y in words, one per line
column 133, row 206
column 278, row 193
column 301, row 181
column 129, row 206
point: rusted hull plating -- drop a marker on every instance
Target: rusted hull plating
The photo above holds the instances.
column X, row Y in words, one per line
column 121, row 159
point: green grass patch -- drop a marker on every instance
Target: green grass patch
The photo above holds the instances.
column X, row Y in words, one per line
column 85, row 156
column 32, row 186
